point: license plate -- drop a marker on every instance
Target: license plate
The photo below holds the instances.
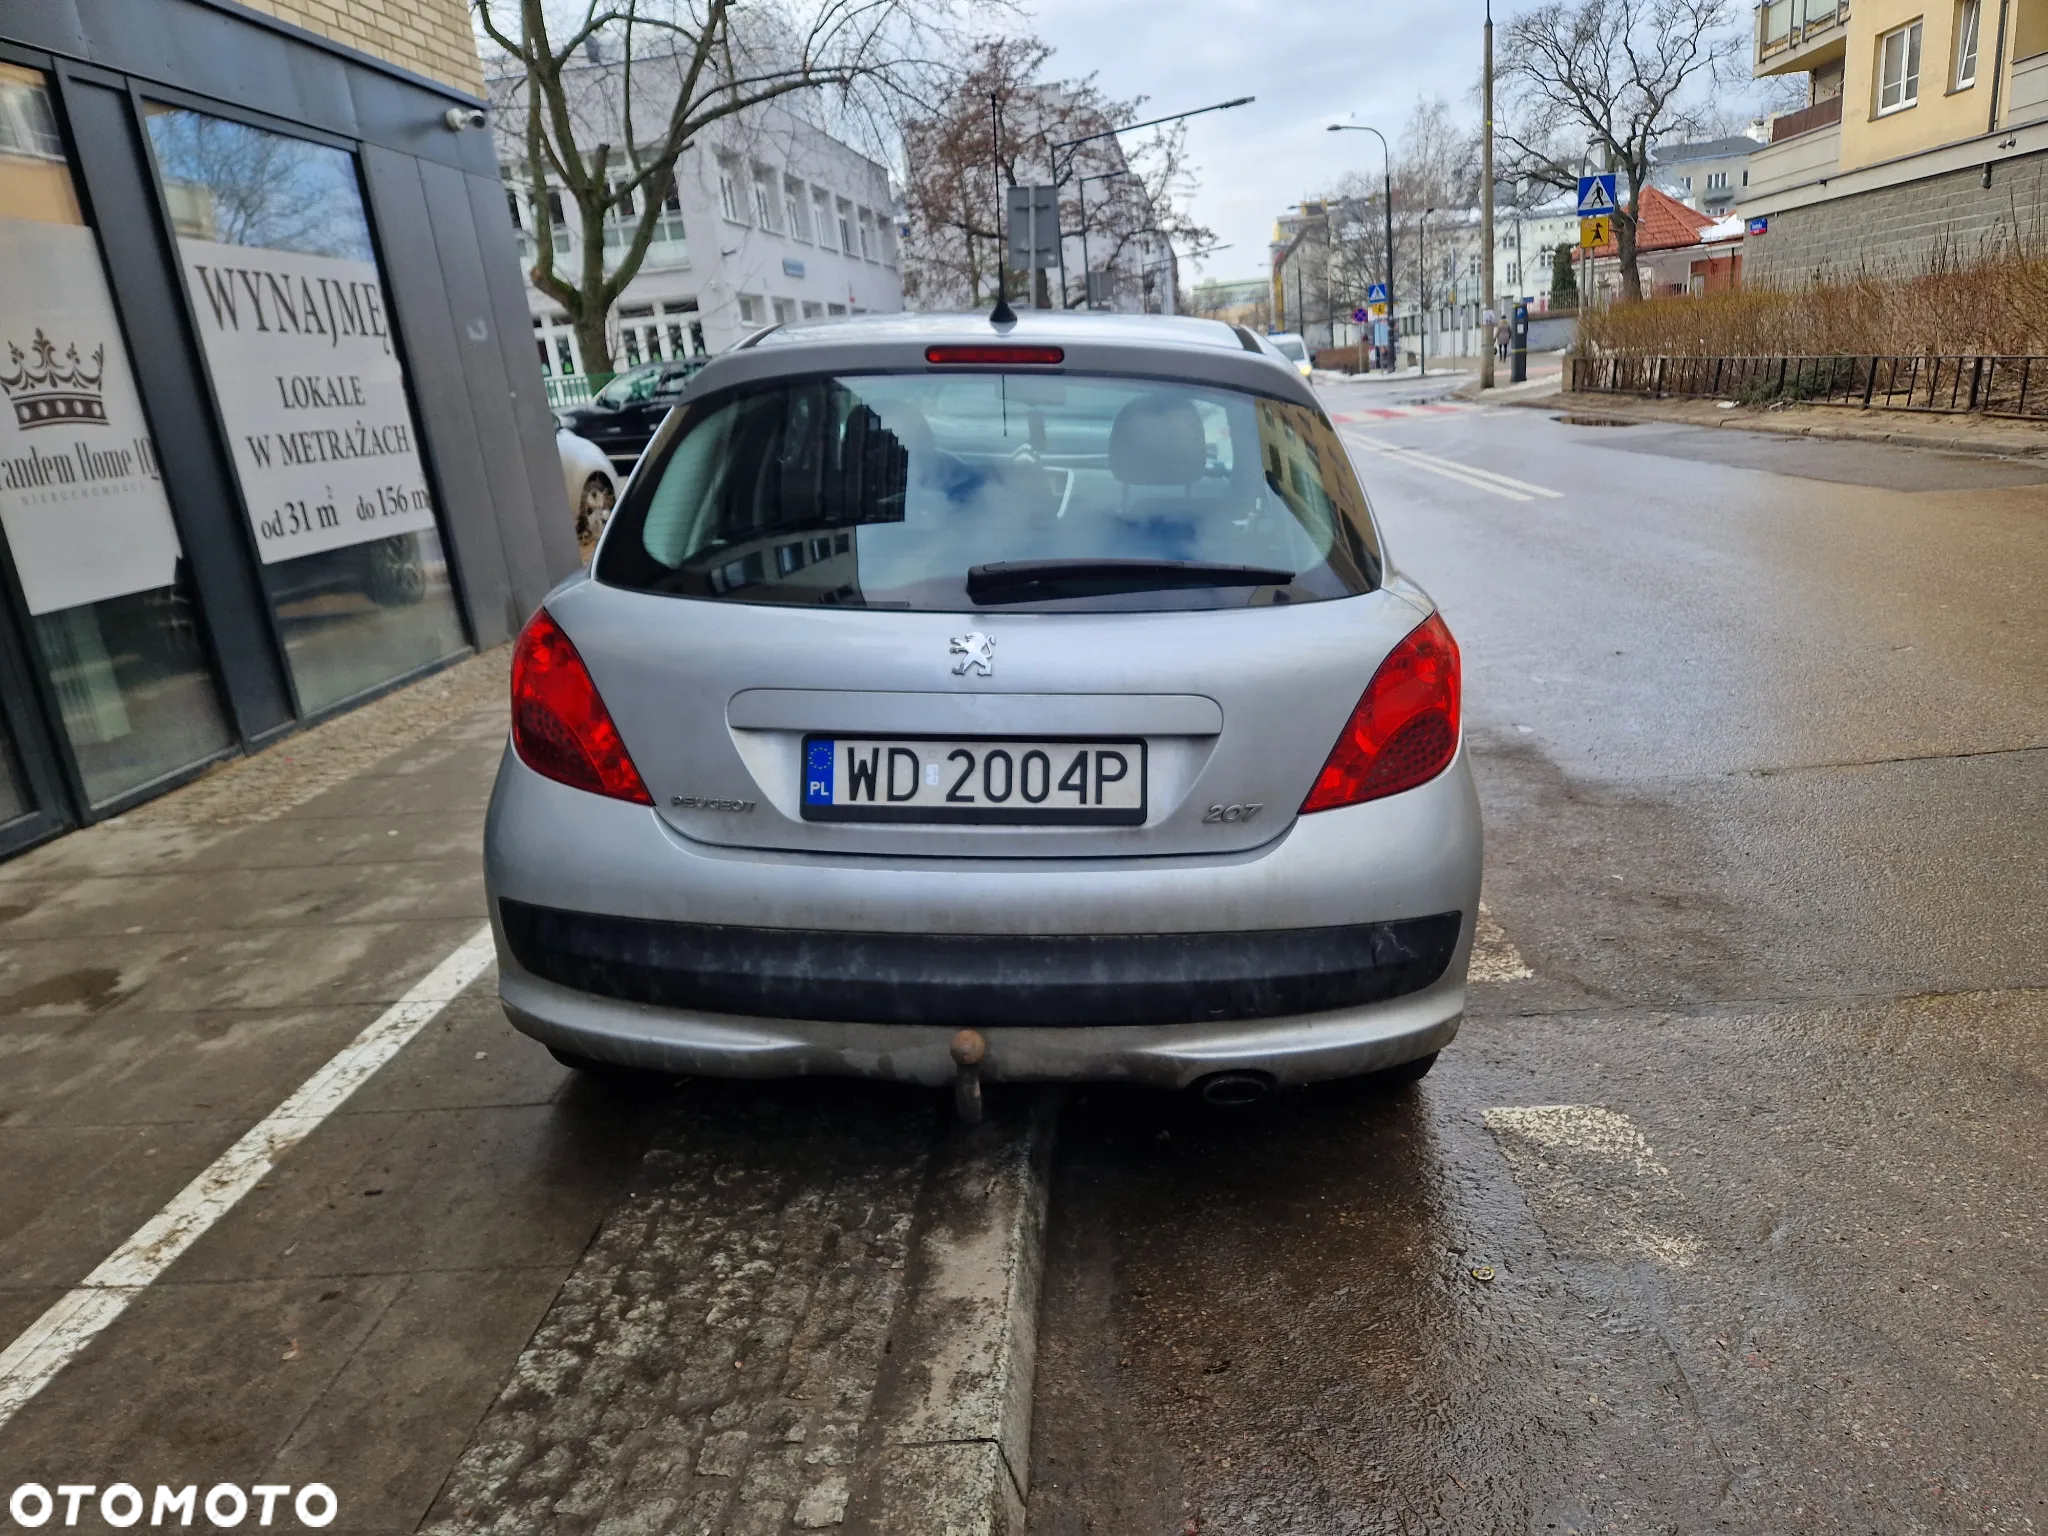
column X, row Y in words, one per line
column 1032, row 783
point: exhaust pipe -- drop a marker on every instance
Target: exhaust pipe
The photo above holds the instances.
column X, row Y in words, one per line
column 1234, row 1089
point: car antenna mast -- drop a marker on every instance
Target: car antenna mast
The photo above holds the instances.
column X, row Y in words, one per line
column 1002, row 314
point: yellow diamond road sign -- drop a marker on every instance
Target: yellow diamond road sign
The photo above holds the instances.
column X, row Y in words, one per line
column 1595, row 232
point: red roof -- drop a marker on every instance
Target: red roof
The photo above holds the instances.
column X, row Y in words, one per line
column 1663, row 223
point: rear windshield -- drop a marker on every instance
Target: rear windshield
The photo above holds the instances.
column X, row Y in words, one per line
column 962, row 492
column 1290, row 347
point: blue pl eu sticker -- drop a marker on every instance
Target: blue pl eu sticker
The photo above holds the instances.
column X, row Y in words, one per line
column 818, row 773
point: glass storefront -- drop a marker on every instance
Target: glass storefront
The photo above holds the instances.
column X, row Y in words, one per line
column 275, row 250
column 88, row 527
column 14, row 798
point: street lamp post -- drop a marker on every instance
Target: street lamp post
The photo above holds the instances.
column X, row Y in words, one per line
column 1052, row 152
column 1387, row 182
column 1486, row 293
column 1422, row 296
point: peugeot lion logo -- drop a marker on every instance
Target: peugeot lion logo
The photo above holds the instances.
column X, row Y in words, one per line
column 977, row 653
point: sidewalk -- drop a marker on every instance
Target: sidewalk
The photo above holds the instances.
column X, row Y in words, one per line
column 479, row 1287
column 1908, row 429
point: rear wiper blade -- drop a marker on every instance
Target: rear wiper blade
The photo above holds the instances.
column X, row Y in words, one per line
column 1017, row 581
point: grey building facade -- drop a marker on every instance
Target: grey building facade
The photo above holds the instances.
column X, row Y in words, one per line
column 273, row 437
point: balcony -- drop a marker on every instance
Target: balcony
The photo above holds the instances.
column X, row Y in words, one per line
column 1799, row 34
column 1795, row 160
column 1826, row 113
column 2028, row 99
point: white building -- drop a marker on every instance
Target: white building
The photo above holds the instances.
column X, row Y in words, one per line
column 1523, row 243
column 769, row 219
column 1709, row 175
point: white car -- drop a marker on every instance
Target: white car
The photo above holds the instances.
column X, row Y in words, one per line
column 1294, row 347
column 592, row 484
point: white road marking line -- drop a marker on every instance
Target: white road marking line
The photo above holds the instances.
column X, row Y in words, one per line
column 1481, row 479
column 54, row 1339
column 1594, row 1182
column 1401, row 455
column 1486, row 474
column 1494, row 956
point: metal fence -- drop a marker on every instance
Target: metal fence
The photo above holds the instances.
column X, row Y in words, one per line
column 1991, row 386
column 575, row 388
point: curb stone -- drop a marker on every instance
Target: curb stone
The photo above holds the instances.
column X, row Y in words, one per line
column 948, row 1451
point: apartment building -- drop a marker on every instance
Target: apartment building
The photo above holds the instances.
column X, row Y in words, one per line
column 1925, row 131
column 1707, row 175
column 769, row 219
column 272, row 439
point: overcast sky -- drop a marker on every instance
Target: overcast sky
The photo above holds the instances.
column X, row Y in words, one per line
column 1309, row 62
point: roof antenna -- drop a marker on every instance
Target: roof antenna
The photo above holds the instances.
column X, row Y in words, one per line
column 1002, row 314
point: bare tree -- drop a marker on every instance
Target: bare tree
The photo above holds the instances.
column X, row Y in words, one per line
column 1594, row 83
column 606, row 140
column 1436, row 165
column 1000, row 125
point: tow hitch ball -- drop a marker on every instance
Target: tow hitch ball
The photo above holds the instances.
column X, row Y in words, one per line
column 968, row 1050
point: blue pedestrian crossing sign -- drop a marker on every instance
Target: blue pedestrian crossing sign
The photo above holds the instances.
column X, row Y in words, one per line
column 1375, row 293
column 1596, row 195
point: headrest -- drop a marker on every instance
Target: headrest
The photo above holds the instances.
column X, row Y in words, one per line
column 1157, row 440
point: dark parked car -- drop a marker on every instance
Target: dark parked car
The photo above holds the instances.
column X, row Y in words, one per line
column 622, row 417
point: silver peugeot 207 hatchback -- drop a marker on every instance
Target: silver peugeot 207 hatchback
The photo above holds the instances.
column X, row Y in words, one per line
column 1047, row 680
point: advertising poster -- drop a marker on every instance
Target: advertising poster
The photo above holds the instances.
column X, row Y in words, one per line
column 312, row 396
column 81, row 497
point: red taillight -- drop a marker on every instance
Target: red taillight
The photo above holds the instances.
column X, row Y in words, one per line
column 997, row 355
column 1405, row 728
column 560, row 726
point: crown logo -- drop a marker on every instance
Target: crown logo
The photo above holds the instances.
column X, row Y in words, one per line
column 45, row 393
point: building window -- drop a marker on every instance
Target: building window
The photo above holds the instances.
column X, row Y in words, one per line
column 793, row 208
column 1898, row 69
column 1968, row 14
column 1717, row 181
column 785, row 311
column 1686, row 182
column 350, row 548
column 764, row 199
column 110, row 604
column 821, row 217
column 835, row 309
column 622, row 219
column 846, row 227
column 729, row 191
column 867, row 239
column 563, row 355
column 750, row 309
column 813, row 310
column 668, row 225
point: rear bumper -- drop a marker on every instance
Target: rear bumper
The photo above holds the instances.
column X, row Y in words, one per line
column 1307, row 945
column 1054, row 980
column 1304, row 1049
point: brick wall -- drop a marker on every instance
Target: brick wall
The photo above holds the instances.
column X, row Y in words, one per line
column 1899, row 229
column 428, row 37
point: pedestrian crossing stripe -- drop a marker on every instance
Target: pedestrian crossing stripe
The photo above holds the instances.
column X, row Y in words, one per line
column 1395, row 412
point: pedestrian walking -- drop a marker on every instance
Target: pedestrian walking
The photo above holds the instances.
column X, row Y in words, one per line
column 1503, row 338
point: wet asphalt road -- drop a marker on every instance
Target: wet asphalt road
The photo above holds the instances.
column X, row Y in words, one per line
column 1730, row 1214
